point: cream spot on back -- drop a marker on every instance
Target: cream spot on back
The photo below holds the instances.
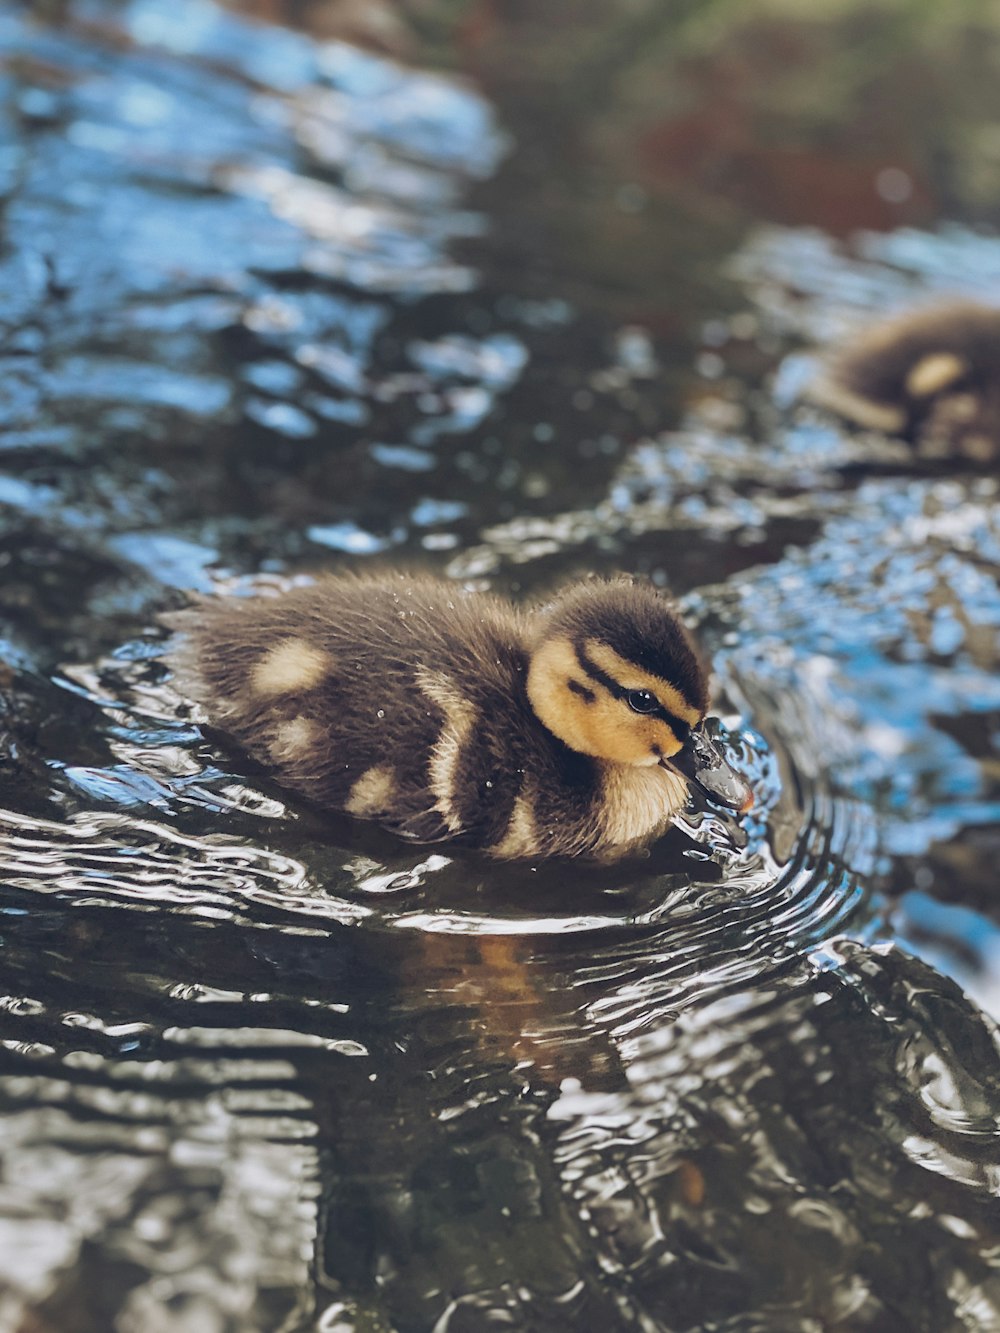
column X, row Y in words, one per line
column 933, row 445
column 521, row 838
column 460, row 716
column 372, row 792
column 638, row 803
column 933, row 373
column 960, row 407
column 292, row 739
column 979, row 448
column 290, row 667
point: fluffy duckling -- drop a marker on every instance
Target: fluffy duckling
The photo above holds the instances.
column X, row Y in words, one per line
column 930, row 375
column 444, row 714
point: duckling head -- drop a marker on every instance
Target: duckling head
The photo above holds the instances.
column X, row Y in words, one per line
column 614, row 674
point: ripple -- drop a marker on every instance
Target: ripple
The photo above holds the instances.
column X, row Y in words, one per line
column 882, row 683
column 110, row 859
column 782, row 876
column 701, row 1148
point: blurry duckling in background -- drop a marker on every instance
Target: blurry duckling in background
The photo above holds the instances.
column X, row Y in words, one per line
column 931, row 376
column 574, row 727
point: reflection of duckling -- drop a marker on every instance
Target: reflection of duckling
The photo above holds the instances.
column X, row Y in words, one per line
column 452, row 715
column 932, row 376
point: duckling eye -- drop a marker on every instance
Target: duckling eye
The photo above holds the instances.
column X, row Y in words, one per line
column 641, row 701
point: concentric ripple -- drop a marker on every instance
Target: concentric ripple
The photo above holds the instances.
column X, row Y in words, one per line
column 781, row 878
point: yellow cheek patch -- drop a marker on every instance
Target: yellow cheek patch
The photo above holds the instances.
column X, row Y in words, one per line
column 631, row 677
column 290, row 667
column 933, row 373
column 557, row 658
column 590, row 726
column 372, row 792
column 605, row 730
column 603, row 726
column 663, row 737
column 558, row 707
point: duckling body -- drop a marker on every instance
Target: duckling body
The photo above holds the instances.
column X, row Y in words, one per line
column 444, row 714
column 931, row 376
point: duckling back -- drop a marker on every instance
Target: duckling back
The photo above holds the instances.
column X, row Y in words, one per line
column 398, row 699
column 930, row 375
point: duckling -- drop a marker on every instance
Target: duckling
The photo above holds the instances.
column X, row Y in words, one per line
column 444, row 714
column 931, row 376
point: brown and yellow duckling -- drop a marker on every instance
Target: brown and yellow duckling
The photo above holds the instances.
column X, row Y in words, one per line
column 930, row 375
column 571, row 728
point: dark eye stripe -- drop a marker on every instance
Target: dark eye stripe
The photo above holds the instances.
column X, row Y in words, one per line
column 591, row 669
column 678, row 726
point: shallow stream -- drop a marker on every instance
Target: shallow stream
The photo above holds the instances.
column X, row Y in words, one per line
column 271, row 304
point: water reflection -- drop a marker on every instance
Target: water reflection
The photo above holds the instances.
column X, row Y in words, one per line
column 269, row 304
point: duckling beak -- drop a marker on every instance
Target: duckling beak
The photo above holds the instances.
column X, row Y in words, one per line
column 703, row 762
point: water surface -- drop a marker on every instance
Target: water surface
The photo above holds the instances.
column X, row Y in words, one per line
column 271, row 304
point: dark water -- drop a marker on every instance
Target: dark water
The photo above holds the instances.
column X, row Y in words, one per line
column 270, row 305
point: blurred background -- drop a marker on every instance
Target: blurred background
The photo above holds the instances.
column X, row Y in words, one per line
column 509, row 291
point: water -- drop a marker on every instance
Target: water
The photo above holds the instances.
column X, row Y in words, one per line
column 271, row 305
